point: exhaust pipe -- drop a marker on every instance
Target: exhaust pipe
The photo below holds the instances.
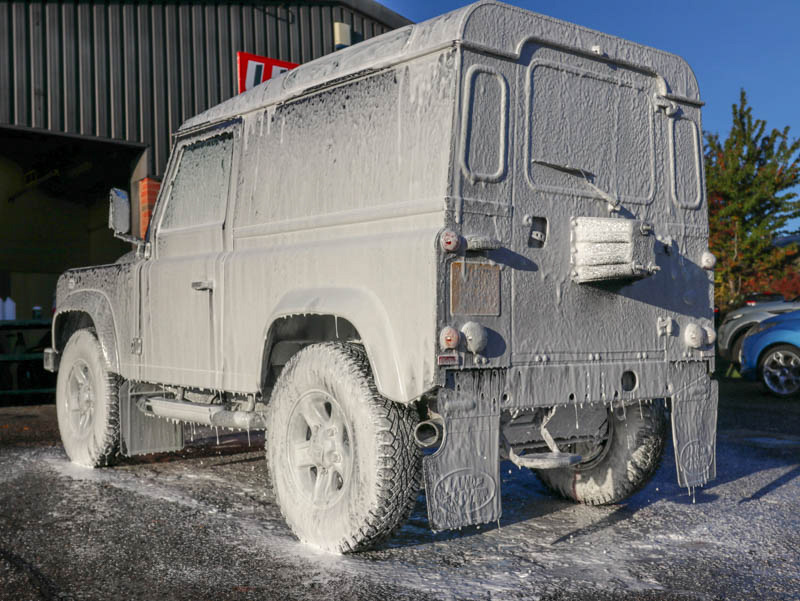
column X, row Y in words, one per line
column 206, row 415
column 429, row 433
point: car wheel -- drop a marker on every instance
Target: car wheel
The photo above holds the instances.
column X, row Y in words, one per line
column 87, row 403
column 343, row 464
column 779, row 369
column 625, row 459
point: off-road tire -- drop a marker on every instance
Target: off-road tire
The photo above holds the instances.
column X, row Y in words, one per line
column 87, row 402
column 379, row 492
column 629, row 460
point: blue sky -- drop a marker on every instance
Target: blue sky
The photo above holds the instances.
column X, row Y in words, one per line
column 730, row 45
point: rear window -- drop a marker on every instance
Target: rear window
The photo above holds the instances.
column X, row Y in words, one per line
column 600, row 124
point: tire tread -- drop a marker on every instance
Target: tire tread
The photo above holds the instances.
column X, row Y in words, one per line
column 642, row 462
column 398, row 464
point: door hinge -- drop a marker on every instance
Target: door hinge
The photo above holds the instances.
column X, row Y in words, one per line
column 136, row 346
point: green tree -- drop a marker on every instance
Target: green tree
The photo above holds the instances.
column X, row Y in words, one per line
column 750, row 179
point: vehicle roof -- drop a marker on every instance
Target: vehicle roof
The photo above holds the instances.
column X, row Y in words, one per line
column 490, row 26
column 763, row 306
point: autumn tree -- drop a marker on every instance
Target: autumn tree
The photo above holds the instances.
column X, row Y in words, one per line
column 750, row 178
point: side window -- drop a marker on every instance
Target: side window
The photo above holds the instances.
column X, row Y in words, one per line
column 484, row 125
column 595, row 122
column 200, row 188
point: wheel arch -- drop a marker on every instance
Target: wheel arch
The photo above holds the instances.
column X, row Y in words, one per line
column 313, row 315
column 85, row 309
column 738, row 334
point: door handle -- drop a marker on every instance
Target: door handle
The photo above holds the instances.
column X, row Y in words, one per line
column 203, row 285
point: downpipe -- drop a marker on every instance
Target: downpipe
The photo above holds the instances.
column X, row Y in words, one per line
column 206, row 415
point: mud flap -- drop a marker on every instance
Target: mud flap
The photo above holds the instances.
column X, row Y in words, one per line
column 141, row 434
column 694, row 429
column 462, row 479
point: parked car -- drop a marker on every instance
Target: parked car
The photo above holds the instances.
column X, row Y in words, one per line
column 737, row 324
column 771, row 354
column 760, row 298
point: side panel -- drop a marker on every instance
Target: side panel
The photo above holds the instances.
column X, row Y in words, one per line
column 481, row 205
column 345, row 189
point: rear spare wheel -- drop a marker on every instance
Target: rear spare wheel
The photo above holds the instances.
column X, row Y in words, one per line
column 632, row 444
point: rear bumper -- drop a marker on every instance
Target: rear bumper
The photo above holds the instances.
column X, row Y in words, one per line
column 548, row 383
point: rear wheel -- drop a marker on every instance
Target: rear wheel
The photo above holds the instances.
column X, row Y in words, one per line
column 627, row 457
column 86, row 402
column 343, row 463
column 779, row 369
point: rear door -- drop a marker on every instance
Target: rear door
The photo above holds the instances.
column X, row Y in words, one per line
column 181, row 283
column 589, row 133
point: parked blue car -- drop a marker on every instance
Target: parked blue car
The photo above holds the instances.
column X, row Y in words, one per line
column 771, row 354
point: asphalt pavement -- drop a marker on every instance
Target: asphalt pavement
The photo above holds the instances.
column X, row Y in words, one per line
column 201, row 524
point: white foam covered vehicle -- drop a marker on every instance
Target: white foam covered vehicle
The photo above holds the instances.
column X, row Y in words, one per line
column 485, row 233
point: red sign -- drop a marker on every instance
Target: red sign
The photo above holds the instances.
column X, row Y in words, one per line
column 254, row 69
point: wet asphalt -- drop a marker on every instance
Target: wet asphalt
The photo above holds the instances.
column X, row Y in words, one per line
column 201, row 524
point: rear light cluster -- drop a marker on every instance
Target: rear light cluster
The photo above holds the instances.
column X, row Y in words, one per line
column 697, row 336
column 474, row 335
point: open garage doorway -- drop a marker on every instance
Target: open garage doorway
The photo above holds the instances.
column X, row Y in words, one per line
column 53, row 216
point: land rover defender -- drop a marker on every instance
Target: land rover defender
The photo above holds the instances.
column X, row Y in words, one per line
column 484, row 235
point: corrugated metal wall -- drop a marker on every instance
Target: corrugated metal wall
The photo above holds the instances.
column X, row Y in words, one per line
column 135, row 70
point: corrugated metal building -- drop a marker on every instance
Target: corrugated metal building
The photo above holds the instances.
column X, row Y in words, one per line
column 90, row 92
column 134, row 71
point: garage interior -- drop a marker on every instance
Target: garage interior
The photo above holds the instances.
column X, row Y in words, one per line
column 53, row 216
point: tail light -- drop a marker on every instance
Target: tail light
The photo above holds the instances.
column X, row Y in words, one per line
column 449, row 338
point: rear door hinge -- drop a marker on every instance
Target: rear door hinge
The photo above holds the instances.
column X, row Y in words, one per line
column 136, row 346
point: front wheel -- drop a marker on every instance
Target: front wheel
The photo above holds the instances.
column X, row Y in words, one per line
column 633, row 441
column 87, row 403
column 343, row 463
column 779, row 370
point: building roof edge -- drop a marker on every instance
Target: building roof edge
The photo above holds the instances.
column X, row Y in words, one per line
column 378, row 12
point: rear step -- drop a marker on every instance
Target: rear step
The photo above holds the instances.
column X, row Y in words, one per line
column 207, row 415
column 543, row 461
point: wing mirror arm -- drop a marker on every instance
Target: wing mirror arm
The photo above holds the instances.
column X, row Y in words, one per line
column 119, row 220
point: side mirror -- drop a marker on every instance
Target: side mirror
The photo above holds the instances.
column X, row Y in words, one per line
column 119, row 212
column 119, row 219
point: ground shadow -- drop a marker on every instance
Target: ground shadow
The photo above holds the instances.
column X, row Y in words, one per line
column 774, row 485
